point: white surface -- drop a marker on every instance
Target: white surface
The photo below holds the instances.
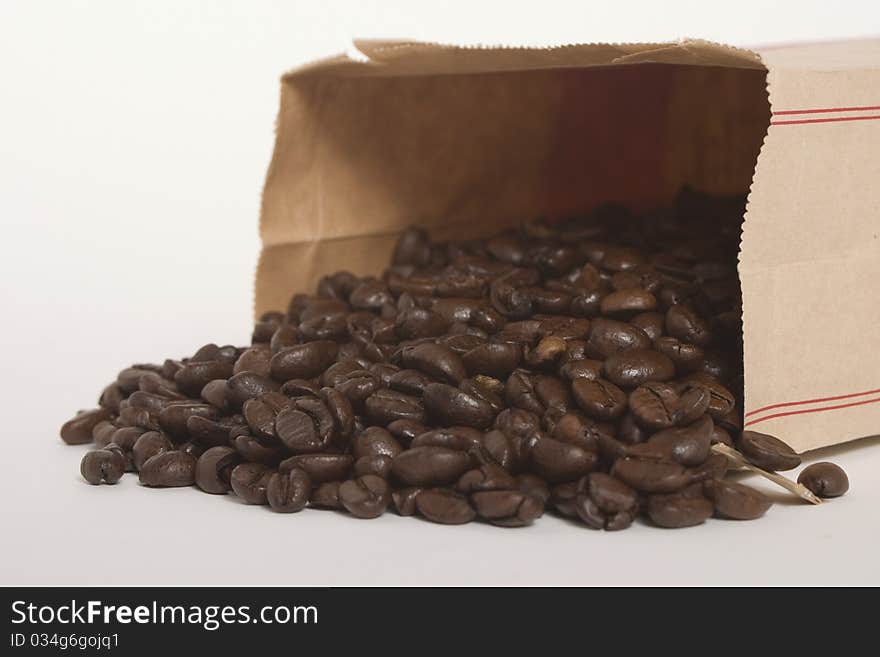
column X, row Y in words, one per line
column 133, row 142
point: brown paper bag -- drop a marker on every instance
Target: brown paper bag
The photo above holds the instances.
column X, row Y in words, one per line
column 466, row 140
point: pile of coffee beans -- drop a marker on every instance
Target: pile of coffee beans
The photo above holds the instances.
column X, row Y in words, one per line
column 584, row 367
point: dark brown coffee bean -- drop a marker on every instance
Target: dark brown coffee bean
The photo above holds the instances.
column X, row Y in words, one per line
column 767, row 452
column 193, row 376
column 303, row 361
column 406, row 430
column 656, row 405
column 508, row 508
column 320, row 467
column 444, row 506
column 375, row 441
column 496, row 359
column 487, row 477
column 430, row 466
column 252, row 450
column 378, row 465
column 824, row 479
column 686, row 357
column 385, row 406
column 249, row 482
column 173, row 417
column 674, row 511
column 78, row 430
column 600, row 399
column 721, row 400
column 405, row 500
column 451, row 406
column 365, row 497
column 608, row 337
column 111, row 398
column 306, row 426
column 326, row 495
column 214, row 469
column 686, row 445
column 102, row 433
column 651, row 476
column 581, row 369
column 148, row 445
column 128, row 381
column 289, row 492
column 169, row 469
column 247, row 385
column 260, row 417
column 603, row 502
column 684, row 323
column 103, row 466
column 736, row 501
column 255, row 360
column 435, row 360
column 627, row 302
column 634, row 367
column 651, row 323
column 558, row 462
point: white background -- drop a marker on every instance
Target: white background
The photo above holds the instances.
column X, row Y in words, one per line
column 134, row 137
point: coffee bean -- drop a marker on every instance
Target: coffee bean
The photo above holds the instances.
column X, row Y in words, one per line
column 305, row 427
column 634, row 367
column 674, row 511
column 375, row 441
column 444, row 506
column 430, row 466
column 656, row 405
column 557, row 462
column 148, row 445
column 102, row 433
column 169, row 469
column 78, row 430
column 435, row 360
column 289, row 492
column 686, row 445
column 255, row 360
column 736, row 501
column 103, row 466
column 214, row 469
column 249, row 482
column 603, row 502
column 487, row 477
column 365, row 497
column 824, row 479
column 599, row 399
column 507, row 508
column 385, row 406
column 684, row 323
column 609, row 336
column 405, row 500
column 253, row 450
column 767, row 452
column 303, row 361
column 378, row 465
column 320, row 467
column 326, row 495
column 651, row 476
column 449, row 406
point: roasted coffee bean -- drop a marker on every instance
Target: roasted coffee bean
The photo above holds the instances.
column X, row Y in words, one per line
column 405, row 500
column 247, row 385
column 214, row 469
column 169, row 469
column 444, row 506
column 496, row 359
column 533, row 485
column 603, row 502
column 306, row 426
column 684, row 323
column 326, row 496
column 378, row 465
column 674, row 511
column 103, row 466
column 736, row 501
column 582, row 369
column 365, row 497
column 652, row 324
column 450, row 406
column 102, row 433
column 628, row 302
column 385, row 406
column 609, row 336
column 430, row 466
column 303, row 361
column 253, row 450
column 651, row 476
column 686, row 445
column 487, row 477
column 686, row 357
column 111, row 398
column 464, row 439
column 507, row 508
column 721, row 400
column 558, row 462
column 320, row 467
column 375, row 441
column 173, row 418
column 406, row 430
column 600, row 399
column 260, row 417
column 249, row 482
column 193, row 376
column 634, row 367
column 767, row 452
column 78, row 430
column 256, row 360
column 435, row 360
column 148, row 445
column 656, row 405
column 824, row 479
column 288, row 492
column 563, row 498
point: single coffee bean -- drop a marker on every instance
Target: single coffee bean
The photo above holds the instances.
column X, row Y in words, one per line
column 405, row 500
column 249, row 482
column 289, row 492
column 406, row 430
column 195, row 375
column 305, row 427
column 603, row 502
column 430, row 466
column 600, row 399
column 487, row 477
column 102, row 433
column 320, row 467
column 444, row 506
column 435, row 360
column 169, row 469
column 736, row 501
column 385, row 406
column 533, row 485
column 449, row 406
column 609, row 336
column 103, row 466
column 684, row 323
column 303, row 361
column 252, row 450
column 378, row 465
column 507, row 508
column 558, row 462
column 656, row 405
column 767, row 452
column 148, row 445
column 365, row 497
column 686, row 445
column 824, row 479
column 78, row 430
column 326, row 495
column 651, row 476
column 674, row 511
column 255, row 360
column 214, row 469
column 634, row 367
column 375, row 441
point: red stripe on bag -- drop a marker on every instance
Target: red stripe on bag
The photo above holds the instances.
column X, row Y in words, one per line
column 812, row 410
